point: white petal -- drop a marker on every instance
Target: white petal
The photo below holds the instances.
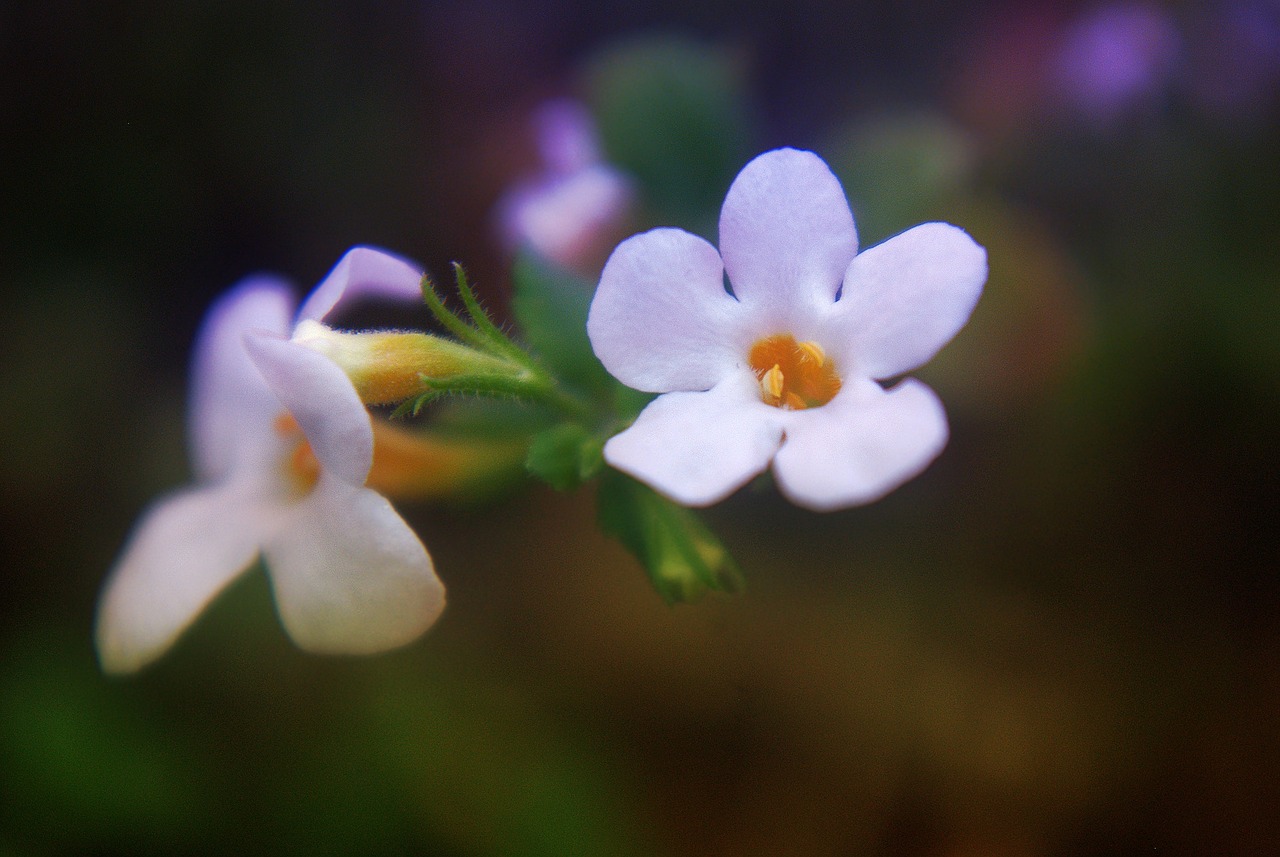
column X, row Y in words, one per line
column 184, row 551
column 349, row 575
column 560, row 217
column 323, row 401
column 661, row 319
column 698, row 448
column 363, row 271
column 232, row 409
column 904, row 299
column 786, row 233
column 860, row 446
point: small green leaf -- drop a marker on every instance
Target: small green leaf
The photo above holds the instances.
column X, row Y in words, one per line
column 551, row 305
column 683, row 558
column 565, row 456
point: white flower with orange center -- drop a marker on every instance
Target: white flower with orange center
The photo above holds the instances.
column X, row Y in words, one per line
column 770, row 350
column 282, row 446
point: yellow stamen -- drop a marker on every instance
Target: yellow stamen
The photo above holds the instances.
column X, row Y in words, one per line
column 814, row 352
column 793, row 375
column 772, row 384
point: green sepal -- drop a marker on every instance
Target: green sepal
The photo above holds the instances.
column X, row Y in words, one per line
column 499, row 342
column 551, row 304
column 565, row 456
column 489, row 417
column 683, row 559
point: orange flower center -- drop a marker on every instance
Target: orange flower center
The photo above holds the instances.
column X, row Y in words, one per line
column 793, row 375
column 301, row 467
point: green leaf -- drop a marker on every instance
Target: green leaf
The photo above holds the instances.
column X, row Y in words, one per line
column 565, row 456
column 683, row 558
column 628, row 403
column 672, row 112
column 550, row 305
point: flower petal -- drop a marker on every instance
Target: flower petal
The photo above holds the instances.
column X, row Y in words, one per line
column 231, row 406
column 860, row 446
column 904, row 299
column 566, row 136
column 363, row 271
column 349, row 575
column 661, row 319
column 698, row 448
column 561, row 216
column 323, row 401
column 184, row 551
column 786, row 233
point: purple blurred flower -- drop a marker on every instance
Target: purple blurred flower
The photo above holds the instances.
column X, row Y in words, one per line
column 281, row 446
column 578, row 202
column 1115, row 59
column 784, row 369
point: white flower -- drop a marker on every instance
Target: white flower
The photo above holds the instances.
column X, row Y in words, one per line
column 281, row 445
column 575, row 201
column 784, row 368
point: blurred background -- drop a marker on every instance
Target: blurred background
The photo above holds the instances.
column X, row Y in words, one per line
column 1062, row 639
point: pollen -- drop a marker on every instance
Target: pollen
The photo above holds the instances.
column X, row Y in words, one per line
column 793, row 375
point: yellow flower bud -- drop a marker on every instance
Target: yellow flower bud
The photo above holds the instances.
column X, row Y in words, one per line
column 388, row 366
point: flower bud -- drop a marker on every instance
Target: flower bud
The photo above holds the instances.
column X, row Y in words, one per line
column 389, row 366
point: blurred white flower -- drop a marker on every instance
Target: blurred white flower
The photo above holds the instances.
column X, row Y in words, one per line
column 565, row 212
column 783, row 367
column 281, row 445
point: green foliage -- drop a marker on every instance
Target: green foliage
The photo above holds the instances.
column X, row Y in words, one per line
column 900, row 170
column 673, row 114
column 550, row 305
column 682, row 557
column 477, row 329
column 558, row 321
column 489, row 771
column 83, row 764
column 628, row 403
column 565, row 456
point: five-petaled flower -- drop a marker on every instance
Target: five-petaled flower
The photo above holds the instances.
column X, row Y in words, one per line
column 781, row 363
column 282, row 446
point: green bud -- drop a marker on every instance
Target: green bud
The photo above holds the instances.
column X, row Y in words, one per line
column 683, row 558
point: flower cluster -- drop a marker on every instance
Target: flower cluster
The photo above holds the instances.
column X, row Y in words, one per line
column 768, row 353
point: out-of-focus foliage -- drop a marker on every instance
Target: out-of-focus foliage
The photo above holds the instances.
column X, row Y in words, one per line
column 673, row 114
